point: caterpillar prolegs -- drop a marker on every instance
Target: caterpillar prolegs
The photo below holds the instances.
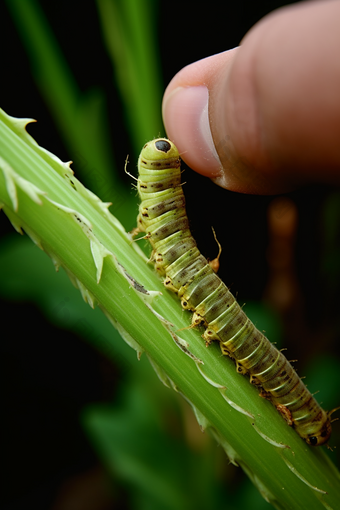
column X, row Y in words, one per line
column 162, row 216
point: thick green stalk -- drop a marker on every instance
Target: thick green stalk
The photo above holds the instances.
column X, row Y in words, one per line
column 39, row 194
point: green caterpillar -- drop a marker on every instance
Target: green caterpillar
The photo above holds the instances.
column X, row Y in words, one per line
column 162, row 216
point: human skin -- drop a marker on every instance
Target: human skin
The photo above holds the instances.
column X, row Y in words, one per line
column 264, row 117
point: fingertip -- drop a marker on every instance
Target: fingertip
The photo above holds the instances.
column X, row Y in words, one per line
column 209, row 114
column 186, row 112
column 186, row 118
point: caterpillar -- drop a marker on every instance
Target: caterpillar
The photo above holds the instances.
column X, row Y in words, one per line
column 162, row 217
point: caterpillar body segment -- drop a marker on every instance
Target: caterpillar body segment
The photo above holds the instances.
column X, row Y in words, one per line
column 162, row 216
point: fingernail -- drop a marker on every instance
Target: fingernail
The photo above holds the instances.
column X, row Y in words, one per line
column 186, row 119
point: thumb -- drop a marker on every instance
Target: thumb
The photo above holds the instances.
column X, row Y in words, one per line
column 265, row 117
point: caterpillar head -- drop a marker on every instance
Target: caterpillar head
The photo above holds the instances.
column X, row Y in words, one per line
column 159, row 149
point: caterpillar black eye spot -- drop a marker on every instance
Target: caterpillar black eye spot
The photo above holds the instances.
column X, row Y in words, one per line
column 163, row 145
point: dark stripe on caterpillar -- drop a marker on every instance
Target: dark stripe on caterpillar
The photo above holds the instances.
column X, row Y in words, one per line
column 162, row 216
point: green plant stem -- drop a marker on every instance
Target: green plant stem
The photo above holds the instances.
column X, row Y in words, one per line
column 39, row 194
